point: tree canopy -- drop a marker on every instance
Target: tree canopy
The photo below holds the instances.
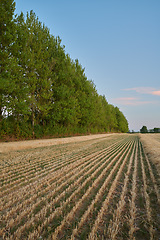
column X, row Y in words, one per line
column 144, row 129
column 42, row 90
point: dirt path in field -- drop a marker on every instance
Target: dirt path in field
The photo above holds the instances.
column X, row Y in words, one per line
column 151, row 143
column 19, row 145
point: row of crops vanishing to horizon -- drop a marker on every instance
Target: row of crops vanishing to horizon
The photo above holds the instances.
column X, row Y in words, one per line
column 104, row 188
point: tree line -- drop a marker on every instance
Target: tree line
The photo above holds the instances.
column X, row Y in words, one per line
column 145, row 130
column 42, row 90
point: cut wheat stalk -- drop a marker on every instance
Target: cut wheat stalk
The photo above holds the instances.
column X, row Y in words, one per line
column 97, row 198
column 78, row 205
column 152, row 177
column 114, row 225
column 58, row 210
column 43, row 179
column 105, row 205
column 133, row 208
column 147, row 199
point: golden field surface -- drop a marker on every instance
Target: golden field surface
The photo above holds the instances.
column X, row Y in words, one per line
column 151, row 143
column 93, row 187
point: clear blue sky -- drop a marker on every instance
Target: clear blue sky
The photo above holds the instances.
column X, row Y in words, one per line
column 118, row 44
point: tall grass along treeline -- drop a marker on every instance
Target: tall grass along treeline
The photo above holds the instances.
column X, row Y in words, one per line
column 42, row 90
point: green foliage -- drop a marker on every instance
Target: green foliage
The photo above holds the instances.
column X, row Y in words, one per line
column 7, row 37
column 42, row 90
column 121, row 121
column 144, row 129
column 156, row 130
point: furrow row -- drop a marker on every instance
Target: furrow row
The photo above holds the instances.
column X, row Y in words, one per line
column 11, row 222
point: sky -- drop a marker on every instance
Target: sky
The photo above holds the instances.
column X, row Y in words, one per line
column 118, row 44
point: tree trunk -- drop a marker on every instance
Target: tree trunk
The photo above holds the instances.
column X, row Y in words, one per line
column 1, row 117
column 33, row 122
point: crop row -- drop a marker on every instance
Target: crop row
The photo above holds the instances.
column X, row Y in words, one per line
column 103, row 189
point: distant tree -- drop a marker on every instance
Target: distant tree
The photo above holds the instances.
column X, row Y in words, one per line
column 156, row 130
column 151, row 130
column 144, row 129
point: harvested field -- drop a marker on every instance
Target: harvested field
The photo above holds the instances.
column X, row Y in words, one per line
column 151, row 143
column 13, row 146
column 97, row 188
